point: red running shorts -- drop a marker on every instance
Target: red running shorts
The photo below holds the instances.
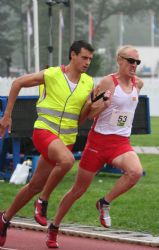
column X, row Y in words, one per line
column 101, row 149
column 41, row 139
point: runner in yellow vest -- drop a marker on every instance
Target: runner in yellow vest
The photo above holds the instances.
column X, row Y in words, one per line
column 59, row 109
column 63, row 93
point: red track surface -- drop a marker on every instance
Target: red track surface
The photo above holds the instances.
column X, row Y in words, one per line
column 22, row 239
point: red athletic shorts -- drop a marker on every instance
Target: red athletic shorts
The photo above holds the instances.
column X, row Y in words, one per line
column 41, row 139
column 101, row 149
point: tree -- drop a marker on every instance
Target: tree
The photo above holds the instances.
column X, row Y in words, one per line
column 12, row 19
column 101, row 11
column 13, row 25
column 6, row 42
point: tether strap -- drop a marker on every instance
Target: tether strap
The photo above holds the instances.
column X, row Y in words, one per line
column 98, row 97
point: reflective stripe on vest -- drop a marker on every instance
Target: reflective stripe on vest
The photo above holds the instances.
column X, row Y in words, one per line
column 57, row 113
column 57, row 127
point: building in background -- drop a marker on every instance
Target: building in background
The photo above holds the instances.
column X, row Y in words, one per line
column 150, row 61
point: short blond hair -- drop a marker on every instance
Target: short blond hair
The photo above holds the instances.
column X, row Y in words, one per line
column 123, row 48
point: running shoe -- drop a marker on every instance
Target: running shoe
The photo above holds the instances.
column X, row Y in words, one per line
column 103, row 209
column 3, row 230
column 40, row 213
column 52, row 233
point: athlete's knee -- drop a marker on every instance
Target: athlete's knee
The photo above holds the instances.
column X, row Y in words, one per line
column 135, row 174
column 67, row 162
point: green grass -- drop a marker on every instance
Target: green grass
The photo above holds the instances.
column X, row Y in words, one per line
column 136, row 210
column 148, row 139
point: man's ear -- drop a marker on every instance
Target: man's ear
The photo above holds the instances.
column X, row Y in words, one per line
column 119, row 60
column 73, row 54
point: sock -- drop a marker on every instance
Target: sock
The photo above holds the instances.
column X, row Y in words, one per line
column 41, row 201
column 4, row 220
column 52, row 226
column 104, row 202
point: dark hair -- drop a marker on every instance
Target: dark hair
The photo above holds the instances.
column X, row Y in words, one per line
column 78, row 45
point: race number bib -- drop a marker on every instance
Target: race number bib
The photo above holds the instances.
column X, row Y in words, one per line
column 121, row 119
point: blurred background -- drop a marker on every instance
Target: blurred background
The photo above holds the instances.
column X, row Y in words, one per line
column 51, row 25
column 38, row 33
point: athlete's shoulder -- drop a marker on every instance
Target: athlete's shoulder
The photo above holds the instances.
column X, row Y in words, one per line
column 139, row 82
column 108, row 77
column 52, row 70
column 106, row 80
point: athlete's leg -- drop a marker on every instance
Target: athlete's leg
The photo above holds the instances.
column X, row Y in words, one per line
column 64, row 159
column 82, row 182
column 25, row 194
column 130, row 164
column 35, row 186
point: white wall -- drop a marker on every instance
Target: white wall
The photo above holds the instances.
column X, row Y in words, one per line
column 149, row 58
column 151, row 89
column 5, row 85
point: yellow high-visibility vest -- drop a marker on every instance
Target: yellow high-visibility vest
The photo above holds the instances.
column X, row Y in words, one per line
column 58, row 108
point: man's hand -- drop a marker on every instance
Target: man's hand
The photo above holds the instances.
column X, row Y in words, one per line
column 100, row 98
column 100, row 102
column 5, row 122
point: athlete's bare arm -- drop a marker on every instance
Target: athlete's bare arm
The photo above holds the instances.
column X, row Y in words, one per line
column 28, row 80
column 105, row 85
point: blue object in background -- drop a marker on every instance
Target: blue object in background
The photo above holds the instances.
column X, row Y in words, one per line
column 23, row 118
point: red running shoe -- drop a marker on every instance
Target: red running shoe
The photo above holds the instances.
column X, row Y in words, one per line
column 40, row 213
column 52, row 233
column 3, row 230
column 105, row 219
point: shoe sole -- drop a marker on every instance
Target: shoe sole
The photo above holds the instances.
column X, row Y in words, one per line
column 2, row 243
column 42, row 224
column 57, row 246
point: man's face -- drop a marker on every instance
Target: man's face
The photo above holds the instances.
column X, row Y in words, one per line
column 82, row 61
column 128, row 61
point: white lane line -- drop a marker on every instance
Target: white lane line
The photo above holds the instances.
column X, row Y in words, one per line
column 4, row 248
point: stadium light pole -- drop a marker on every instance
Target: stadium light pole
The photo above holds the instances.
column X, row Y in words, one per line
column 50, row 46
column 36, row 35
column 50, row 3
column 72, row 21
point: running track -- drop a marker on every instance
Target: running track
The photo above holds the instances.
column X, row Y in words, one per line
column 23, row 239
